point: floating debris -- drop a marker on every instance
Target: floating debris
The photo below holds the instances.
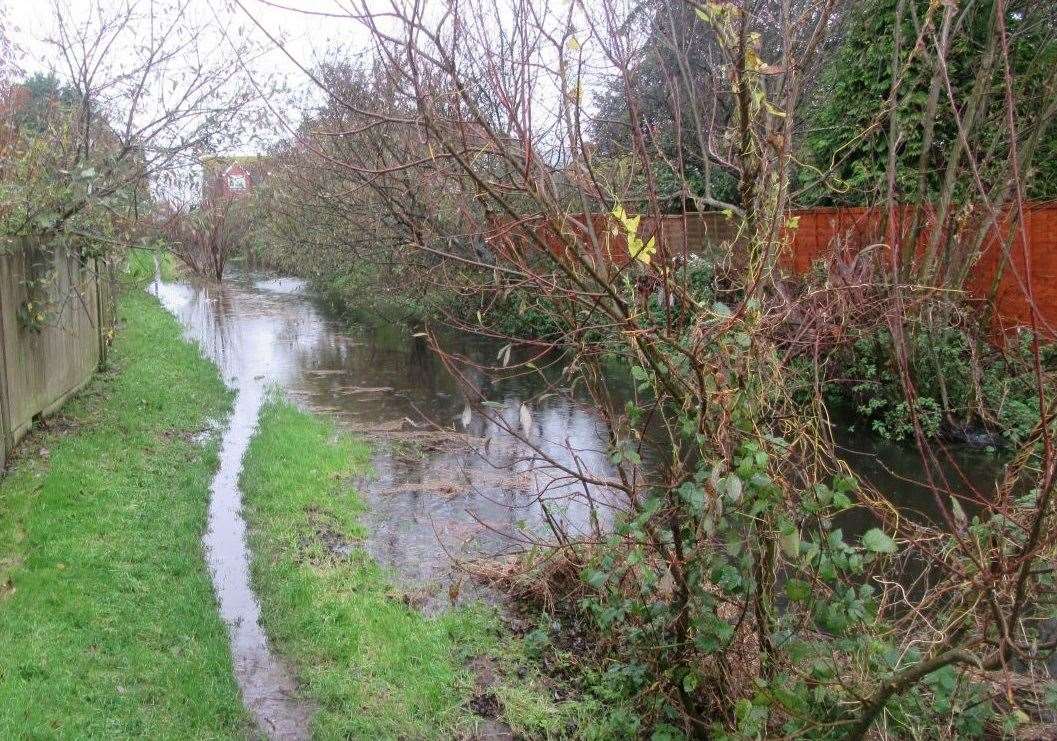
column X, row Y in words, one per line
column 525, row 415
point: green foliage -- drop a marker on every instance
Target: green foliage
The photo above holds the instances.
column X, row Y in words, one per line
column 735, row 594
column 375, row 666
column 523, row 315
column 850, row 126
column 46, row 96
column 942, row 365
column 361, row 293
column 722, row 512
column 141, row 264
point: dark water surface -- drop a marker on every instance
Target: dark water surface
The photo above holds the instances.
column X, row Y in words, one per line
column 432, row 497
column 431, row 494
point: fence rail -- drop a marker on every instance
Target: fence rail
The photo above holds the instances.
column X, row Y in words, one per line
column 55, row 308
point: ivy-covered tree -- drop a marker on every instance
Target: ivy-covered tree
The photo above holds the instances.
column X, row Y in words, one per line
column 852, row 126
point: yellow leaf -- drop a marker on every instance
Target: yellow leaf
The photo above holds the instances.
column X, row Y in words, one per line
column 773, row 111
column 643, row 252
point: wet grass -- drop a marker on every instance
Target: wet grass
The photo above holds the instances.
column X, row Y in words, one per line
column 375, row 667
column 108, row 622
column 139, row 267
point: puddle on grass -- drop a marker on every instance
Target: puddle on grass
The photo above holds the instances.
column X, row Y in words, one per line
column 433, row 496
column 269, row 690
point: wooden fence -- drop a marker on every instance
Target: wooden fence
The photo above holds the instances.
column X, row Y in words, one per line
column 1001, row 268
column 55, row 310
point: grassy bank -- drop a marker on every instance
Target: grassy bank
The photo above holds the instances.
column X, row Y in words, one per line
column 376, row 667
column 109, row 624
column 141, row 265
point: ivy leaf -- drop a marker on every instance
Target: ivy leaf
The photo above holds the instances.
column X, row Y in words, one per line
column 790, row 543
column 693, row 495
column 596, row 578
column 877, row 542
column 731, row 485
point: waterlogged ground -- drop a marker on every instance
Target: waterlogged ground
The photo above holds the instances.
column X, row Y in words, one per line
column 108, row 623
column 433, row 495
column 104, row 522
column 475, row 489
column 446, row 483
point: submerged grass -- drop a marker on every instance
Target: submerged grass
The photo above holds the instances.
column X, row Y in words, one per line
column 376, row 667
column 109, row 624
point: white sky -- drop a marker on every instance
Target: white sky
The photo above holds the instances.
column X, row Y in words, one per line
column 30, row 22
column 305, row 29
column 309, row 38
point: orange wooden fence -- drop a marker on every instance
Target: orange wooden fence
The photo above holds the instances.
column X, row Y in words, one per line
column 819, row 232
column 1002, row 254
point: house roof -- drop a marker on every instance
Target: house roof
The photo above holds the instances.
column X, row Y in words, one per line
column 231, row 158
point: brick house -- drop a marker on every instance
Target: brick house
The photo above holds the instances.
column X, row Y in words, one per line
column 233, row 176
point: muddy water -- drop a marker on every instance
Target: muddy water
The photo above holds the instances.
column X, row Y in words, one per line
column 431, row 498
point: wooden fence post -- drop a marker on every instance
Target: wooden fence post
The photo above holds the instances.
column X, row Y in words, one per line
column 99, row 317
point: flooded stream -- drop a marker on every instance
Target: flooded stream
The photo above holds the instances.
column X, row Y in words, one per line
column 386, row 385
column 431, row 497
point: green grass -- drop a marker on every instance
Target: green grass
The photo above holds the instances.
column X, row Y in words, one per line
column 139, row 268
column 375, row 667
column 108, row 625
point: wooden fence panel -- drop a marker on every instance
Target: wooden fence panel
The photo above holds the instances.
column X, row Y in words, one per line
column 1001, row 268
column 43, row 365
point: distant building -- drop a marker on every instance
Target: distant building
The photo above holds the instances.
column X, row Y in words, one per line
column 232, row 176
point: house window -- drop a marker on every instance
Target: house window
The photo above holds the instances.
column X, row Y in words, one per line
column 236, row 182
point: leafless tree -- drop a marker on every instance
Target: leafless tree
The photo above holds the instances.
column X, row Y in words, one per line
column 724, row 578
column 204, row 238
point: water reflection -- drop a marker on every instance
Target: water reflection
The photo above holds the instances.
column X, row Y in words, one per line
column 432, row 497
column 435, row 497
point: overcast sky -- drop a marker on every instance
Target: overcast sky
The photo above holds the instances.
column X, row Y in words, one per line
column 31, row 22
column 310, row 30
column 307, row 36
